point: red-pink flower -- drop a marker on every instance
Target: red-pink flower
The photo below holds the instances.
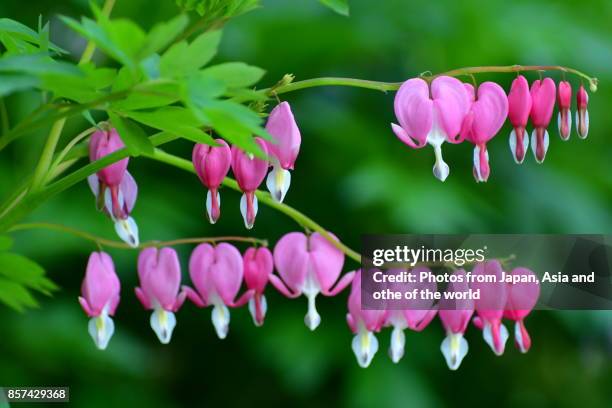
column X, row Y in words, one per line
column 455, row 314
column 212, row 163
column 283, row 149
column 490, row 307
column 431, row 116
column 249, row 172
column 486, row 116
column 114, row 188
column 582, row 114
column 543, row 103
column 519, row 107
column 363, row 323
column 159, row 272
column 258, row 266
column 522, row 298
column 564, row 119
column 100, row 297
column 309, row 266
column 216, row 273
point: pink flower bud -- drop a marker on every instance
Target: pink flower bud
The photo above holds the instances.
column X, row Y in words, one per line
column 212, row 163
column 159, row 273
column 283, row 150
column 309, row 266
column 582, row 114
column 103, row 143
column 543, row 103
column 258, row 266
column 431, row 115
column 455, row 314
column 564, row 119
column 490, row 307
column 249, row 172
column 486, row 116
column 519, row 107
column 522, row 298
column 363, row 323
column 216, row 273
column 100, row 297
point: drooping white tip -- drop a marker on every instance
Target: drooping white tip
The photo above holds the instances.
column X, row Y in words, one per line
column 582, row 127
column 249, row 219
column 535, row 145
column 278, row 183
column 454, row 348
column 513, row 144
column 365, row 346
column 221, row 319
column 477, row 173
column 210, row 214
column 312, row 318
column 568, row 126
column 263, row 308
column 440, row 168
column 163, row 323
column 127, row 230
column 487, row 334
column 398, row 342
column 101, row 329
column 519, row 340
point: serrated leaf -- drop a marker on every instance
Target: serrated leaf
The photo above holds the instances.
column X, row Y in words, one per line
column 25, row 272
column 162, row 35
column 339, row 6
column 15, row 295
column 235, row 74
column 133, row 136
column 37, row 64
column 174, row 120
column 17, row 30
column 150, row 95
column 182, row 59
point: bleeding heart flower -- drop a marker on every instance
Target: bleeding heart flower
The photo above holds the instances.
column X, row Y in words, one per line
column 283, row 150
column 415, row 315
column 159, row 273
column 564, row 119
column 258, row 266
column 431, row 115
column 114, row 188
column 486, row 116
column 250, row 172
column 216, row 272
column 582, row 114
column 309, row 266
column 212, row 163
column 522, row 298
column 363, row 323
column 490, row 307
column 519, row 107
column 543, row 98
column 455, row 314
column 100, row 297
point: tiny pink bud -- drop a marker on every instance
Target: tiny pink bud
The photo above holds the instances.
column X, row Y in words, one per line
column 543, row 103
column 249, row 172
column 212, row 163
column 519, row 107
column 159, row 272
column 100, row 297
column 564, row 118
column 582, row 113
column 258, row 266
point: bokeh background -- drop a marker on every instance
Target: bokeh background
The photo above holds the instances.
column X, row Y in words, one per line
column 353, row 176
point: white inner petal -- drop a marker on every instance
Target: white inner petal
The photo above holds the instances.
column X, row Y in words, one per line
column 518, row 337
column 454, row 348
column 278, row 182
column 365, row 346
column 311, row 289
column 534, row 144
column 221, row 319
column 127, row 230
column 243, row 210
column 101, row 329
column 398, row 342
column 263, row 304
column 163, row 323
column 209, row 206
column 487, row 334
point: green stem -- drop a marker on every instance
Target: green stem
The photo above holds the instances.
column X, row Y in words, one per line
column 121, row 245
column 47, row 154
column 91, row 46
column 262, row 197
column 4, row 117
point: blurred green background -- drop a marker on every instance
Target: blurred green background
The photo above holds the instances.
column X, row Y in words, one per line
column 353, row 176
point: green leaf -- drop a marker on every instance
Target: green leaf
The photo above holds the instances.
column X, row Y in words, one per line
column 235, row 74
column 6, row 242
column 339, row 6
column 10, row 83
column 162, row 35
column 25, row 272
column 15, row 30
column 150, row 95
column 37, row 64
column 174, row 120
column 15, row 295
column 132, row 135
column 182, row 59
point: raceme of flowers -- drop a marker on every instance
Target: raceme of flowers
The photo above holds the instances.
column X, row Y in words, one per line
column 447, row 110
column 309, row 266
